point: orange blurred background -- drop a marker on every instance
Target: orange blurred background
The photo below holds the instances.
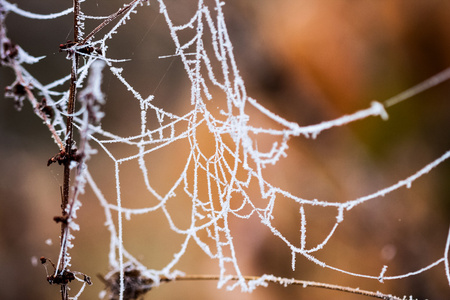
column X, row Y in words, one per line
column 308, row 61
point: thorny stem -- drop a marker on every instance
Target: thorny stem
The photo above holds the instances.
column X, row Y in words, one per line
column 69, row 144
column 67, row 162
column 69, row 132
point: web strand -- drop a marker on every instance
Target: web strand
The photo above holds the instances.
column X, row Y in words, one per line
column 225, row 178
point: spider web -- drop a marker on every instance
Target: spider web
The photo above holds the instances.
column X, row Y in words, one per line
column 224, row 177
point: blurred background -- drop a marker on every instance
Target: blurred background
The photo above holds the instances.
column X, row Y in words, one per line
column 307, row 61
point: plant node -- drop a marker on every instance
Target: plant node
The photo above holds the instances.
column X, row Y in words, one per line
column 63, row 157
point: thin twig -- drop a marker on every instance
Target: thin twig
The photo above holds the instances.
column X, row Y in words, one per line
column 286, row 281
column 423, row 86
column 108, row 20
column 13, row 63
column 35, row 103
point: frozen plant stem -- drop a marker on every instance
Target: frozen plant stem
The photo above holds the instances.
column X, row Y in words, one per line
column 69, row 151
column 108, row 20
column 285, row 282
column 69, row 144
column 67, row 162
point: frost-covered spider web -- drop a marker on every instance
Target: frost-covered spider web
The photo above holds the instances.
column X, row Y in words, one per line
column 223, row 176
